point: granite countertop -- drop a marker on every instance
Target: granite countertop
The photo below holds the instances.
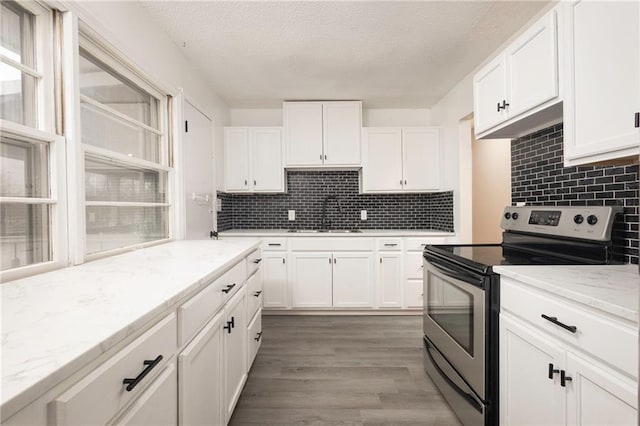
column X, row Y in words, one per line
column 612, row 289
column 55, row 323
column 362, row 233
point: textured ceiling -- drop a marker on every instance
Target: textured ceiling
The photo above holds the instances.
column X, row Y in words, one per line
column 391, row 54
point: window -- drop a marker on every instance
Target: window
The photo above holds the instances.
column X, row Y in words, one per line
column 126, row 154
column 32, row 203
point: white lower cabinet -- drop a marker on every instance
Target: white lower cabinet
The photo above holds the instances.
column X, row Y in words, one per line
column 352, row 279
column 254, row 338
column 312, row 280
column 274, row 280
column 414, row 293
column 389, row 280
column 235, row 339
column 554, row 376
column 200, row 372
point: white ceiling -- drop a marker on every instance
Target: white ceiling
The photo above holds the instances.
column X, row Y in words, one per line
column 391, row 54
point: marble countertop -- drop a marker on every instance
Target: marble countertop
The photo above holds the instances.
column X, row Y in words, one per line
column 363, row 233
column 610, row 288
column 55, row 323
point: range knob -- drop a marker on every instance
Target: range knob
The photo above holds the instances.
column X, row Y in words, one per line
column 507, row 215
column 578, row 219
column 515, row 215
column 592, row 219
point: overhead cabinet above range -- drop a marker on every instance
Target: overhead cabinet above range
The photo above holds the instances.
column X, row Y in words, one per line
column 253, row 159
column 520, row 89
column 322, row 133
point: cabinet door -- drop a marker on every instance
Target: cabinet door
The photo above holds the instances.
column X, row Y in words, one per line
column 236, row 153
column 266, row 153
column 157, row 405
column 254, row 338
column 303, row 133
column 603, row 91
column 527, row 395
column 421, row 159
column 489, row 90
column 382, row 151
column 274, row 280
column 342, row 123
column 311, row 285
column 235, row 352
column 200, row 384
column 413, row 294
column 352, row 280
column 532, row 65
column 254, row 294
column 389, row 280
column 598, row 396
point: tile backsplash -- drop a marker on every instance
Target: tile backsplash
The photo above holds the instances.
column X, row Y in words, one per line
column 538, row 177
column 307, row 191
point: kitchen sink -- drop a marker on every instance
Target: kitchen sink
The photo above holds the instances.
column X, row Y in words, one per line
column 325, row 231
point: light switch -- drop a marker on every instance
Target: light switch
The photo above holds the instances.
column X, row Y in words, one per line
column 363, row 215
column 292, row 215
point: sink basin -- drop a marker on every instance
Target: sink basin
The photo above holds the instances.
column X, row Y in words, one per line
column 329, row 231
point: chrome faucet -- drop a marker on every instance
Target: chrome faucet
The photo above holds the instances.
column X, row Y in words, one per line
column 325, row 223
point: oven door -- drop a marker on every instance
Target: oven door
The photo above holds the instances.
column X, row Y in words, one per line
column 454, row 319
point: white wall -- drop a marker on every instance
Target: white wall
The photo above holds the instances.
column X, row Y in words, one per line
column 388, row 117
column 256, row 117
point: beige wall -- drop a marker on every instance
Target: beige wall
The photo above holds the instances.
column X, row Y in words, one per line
column 491, row 171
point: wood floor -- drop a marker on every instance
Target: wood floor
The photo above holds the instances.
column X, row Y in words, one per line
column 341, row 370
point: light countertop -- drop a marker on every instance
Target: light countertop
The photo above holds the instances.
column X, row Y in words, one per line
column 363, row 233
column 55, row 323
column 610, row 288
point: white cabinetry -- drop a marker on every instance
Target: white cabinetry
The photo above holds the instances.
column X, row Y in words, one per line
column 513, row 92
column 574, row 367
column 235, row 341
column 352, row 279
column 200, row 370
column 389, row 280
column 322, row 133
column 401, row 160
column 274, row 278
column 253, row 159
column 312, row 280
column 602, row 65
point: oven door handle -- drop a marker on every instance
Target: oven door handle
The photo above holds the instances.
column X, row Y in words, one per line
column 457, row 274
column 467, row 397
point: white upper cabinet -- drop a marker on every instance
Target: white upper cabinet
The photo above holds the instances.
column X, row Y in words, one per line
column 253, row 159
column 602, row 69
column 401, row 160
column 514, row 92
column 322, row 133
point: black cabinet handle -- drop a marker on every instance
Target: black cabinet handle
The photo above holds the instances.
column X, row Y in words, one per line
column 150, row 365
column 257, row 293
column 232, row 322
column 256, row 261
column 229, row 287
column 255, row 182
column 228, row 327
column 258, row 337
column 498, row 106
column 504, row 104
column 390, row 245
column 552, row 371
column 571, row 328
column 637, row 119
column 274, row 244
column 564, row 378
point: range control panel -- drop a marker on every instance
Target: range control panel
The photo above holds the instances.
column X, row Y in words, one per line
column 592, row 223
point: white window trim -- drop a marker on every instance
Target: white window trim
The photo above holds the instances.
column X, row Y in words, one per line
column 57, row 200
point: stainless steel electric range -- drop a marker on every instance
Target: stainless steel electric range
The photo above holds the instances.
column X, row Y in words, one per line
column 461, row 295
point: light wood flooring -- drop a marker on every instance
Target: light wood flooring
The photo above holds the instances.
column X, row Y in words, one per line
column 341, row 370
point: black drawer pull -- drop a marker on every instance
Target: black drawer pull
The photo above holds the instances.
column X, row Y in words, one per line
column 274, row 244
column 150, row 364
column 390, row 245
column 552, row 371
column 232, row 322
column 564, row 378
column 257, row 293
column 571, row 328
column 229, row 287
column 258, row 337
column 228, row 327
column 256, row 261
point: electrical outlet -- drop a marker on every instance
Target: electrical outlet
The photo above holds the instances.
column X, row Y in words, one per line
column 292, row 215
column 363, row 215
column 218, row 204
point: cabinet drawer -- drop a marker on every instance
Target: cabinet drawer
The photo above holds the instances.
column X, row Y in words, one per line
column 389, row 244
column 77, row 406
column 253, row 262
column 254, row 294
column 413, row 266
column 254, row 336
column 332, row 244
column 274, row 244
column 613, row 342
column 232, row 280
column 415, row 244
